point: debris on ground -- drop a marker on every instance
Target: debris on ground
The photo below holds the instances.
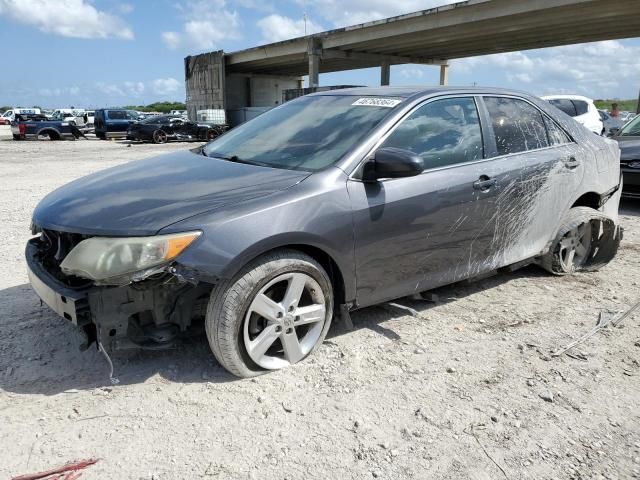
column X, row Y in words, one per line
column 69, row 471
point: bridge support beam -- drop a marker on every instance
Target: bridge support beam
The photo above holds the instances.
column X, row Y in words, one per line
column 385, row 74
column 444, row 74
column 314, row 50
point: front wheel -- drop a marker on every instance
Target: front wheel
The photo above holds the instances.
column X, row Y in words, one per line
column 273, row 314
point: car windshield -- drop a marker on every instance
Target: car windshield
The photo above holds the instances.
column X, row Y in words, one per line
column 309, row 133
column 631, row 129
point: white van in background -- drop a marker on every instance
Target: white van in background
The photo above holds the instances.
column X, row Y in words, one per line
column 582, row 109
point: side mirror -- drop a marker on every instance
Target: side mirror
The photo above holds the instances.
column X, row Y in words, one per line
column 614, row 131
column 392, row 163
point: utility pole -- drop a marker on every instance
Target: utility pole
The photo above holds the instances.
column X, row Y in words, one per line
column 304, row 17
column 638, row 106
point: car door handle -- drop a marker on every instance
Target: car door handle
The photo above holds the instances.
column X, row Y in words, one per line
column 484, row 183
column 572, row 163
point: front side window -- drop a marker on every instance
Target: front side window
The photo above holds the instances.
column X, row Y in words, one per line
column 565, row 105
column 309, row 133
column 517, row 125
column 443, row 132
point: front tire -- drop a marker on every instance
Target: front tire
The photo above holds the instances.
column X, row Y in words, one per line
column 274, row 313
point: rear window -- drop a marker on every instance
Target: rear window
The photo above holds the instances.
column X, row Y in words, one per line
column 565, row 105
column 517, row 125
column 581, row 107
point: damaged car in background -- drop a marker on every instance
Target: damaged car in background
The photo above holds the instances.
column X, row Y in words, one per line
column 163, row 128
column 321, row 206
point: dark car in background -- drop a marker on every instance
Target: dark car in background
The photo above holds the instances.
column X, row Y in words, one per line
column 113, row 122
column 163, row 128
column 330, row 202
column 628, row 138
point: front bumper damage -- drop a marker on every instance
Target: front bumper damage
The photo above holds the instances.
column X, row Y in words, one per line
column 149, row 314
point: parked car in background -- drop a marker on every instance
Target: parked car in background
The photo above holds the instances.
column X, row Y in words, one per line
column 609, row 123
column 332, row 201
column 113, row 122
column 582, row 109
column 10, row 115
column 89, row 118
column 163, row 128
column 34, row 126
column 628, row 138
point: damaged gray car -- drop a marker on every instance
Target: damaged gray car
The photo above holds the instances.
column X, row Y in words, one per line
column 321, row 206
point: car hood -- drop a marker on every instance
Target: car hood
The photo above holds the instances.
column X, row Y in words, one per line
column 142, row 197
column 629, row 148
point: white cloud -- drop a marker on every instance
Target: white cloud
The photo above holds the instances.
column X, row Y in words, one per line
column 171, row 39
column 68, row 18
column 599, row 69
column 206, row 25
column 165, row 86
column 73, row 91
column 276, row 27
column 110, row 89
column 125, row 8
column 411, row 73
column 134, row 88
column 349, row 12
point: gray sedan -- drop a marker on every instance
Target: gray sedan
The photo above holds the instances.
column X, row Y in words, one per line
column 321, row 206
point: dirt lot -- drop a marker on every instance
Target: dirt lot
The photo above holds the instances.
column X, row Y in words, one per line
column 454, row 392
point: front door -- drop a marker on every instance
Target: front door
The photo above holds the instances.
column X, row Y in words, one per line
column 416, row 233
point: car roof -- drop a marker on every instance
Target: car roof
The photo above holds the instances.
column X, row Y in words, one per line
column 416, row 91
column 567, row 97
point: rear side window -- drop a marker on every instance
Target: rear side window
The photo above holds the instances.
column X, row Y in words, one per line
column 557, row 136
column 581, row 107
column 442, row 132
column 517, row 125
column 565, row 105
column 117, row 115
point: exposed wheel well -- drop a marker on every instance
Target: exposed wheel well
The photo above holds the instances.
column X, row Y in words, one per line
column 590, row 199
column 53, row 134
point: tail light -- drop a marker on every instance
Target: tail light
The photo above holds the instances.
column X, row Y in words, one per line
column 22, row 128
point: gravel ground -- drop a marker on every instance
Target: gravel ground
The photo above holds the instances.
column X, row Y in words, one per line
column 465, row 388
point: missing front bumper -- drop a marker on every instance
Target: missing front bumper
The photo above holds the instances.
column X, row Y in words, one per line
column 150, row 314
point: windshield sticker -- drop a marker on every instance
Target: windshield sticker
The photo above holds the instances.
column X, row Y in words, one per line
column 377, row 102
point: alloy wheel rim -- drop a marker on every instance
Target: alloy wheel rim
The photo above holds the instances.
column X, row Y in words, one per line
column 575, row 246
column 160, row 136
column 284, row 320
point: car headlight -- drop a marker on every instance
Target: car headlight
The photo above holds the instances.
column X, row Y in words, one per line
column 101, row 258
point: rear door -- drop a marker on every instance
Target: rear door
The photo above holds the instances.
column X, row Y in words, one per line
column 539, row 169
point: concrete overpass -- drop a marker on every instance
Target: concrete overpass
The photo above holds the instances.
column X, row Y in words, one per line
column 435, row 36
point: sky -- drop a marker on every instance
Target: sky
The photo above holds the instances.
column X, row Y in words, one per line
column 97, row 53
